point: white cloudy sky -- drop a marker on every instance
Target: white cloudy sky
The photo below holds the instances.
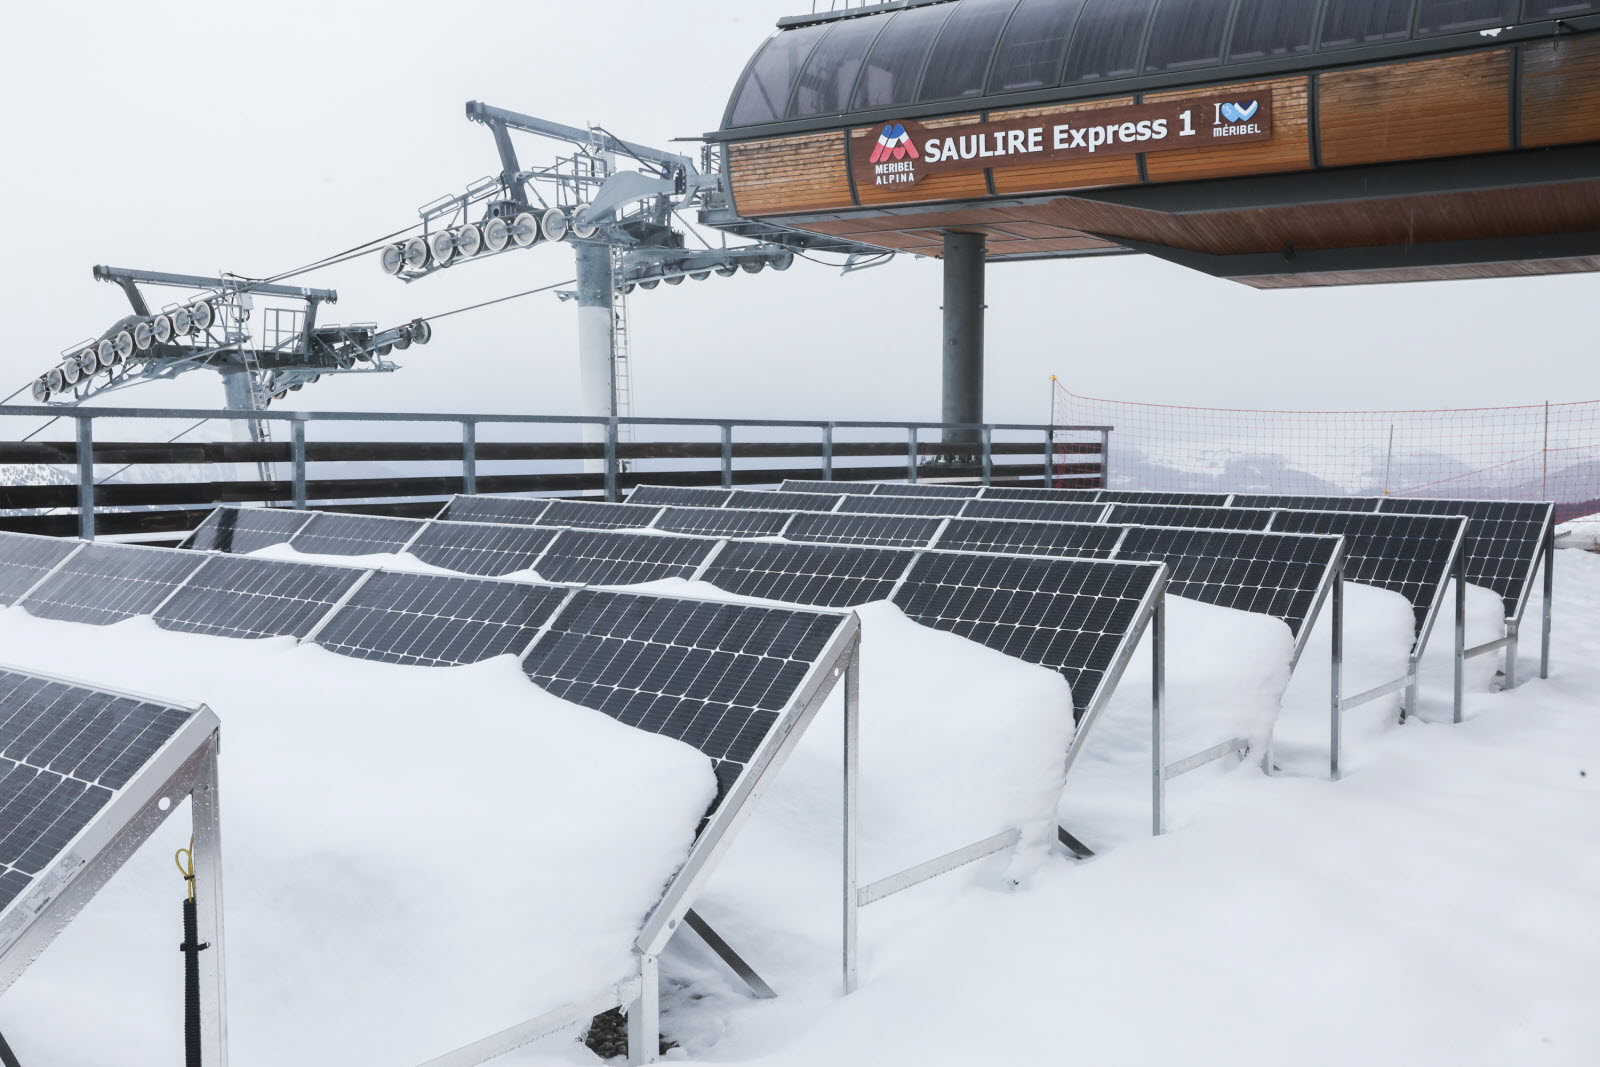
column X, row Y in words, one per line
column 253, row 138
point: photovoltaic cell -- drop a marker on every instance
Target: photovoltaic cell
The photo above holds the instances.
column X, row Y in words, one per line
column 481, row 548
column 1291, row 502
column 1504, row 538
column 504, row 509
column 715, row 676
column 925, row 489
column 1083, row 540
column 889, row 531
column 904, row 505
column 679, row 496
column 1034, row 510
column 1164, row 499
column 243, row 530
column 1025, row 492
column 596, row 515
column 107, row 583
column 756, row 498
column 1266, row 573
column 824, row 576
column 24, row 559
column 1192, row 517
column 255, row 598
column 593, row 557
column 333, row 534
column 724, row 522
column 439, row 620
column 830, row 488
column 1067, row 614
column 65, row 751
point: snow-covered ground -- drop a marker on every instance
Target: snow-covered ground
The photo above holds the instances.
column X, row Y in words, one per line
column 390, row 896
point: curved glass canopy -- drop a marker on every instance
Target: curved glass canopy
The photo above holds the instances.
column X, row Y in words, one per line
column 932, row 51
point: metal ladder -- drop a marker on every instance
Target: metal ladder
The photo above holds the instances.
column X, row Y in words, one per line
column 621, row 365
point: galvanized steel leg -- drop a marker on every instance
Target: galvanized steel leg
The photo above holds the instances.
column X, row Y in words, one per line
column 611, row 459
column 988, row 455
column 727, row 457
column 297, row 457
column 1512, row 627
column 911, row 455
column 469, row 457
column 1105, row 459
column 1158, row 718
column 827, row 452
column 1460, row 656
column 207, row 824
column 1549, row 601
column 644, row 1015
column 1413, row 671
column 852, row 778
column 725, row 952
column 85, row 477
column 1336, row 676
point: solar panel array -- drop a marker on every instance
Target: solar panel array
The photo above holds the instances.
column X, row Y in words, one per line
column 714, row 522
column 25, row 560
column 831, row 576
column 244, row 530
column 679, row 496
column 106, row 583
column 493, row 509
column 599, row 557
column 1180, row 515
column 1503, row 540
column 595, row 515
column 481, row 548
column 331, row 533
column 254, row 598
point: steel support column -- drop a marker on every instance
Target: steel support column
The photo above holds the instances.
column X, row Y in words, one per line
column 963, row 335
column 597, row 398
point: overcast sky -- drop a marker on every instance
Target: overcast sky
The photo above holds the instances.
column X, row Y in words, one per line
column 208, row 137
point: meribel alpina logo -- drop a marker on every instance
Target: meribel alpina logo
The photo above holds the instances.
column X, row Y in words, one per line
column 894, row 157
column 1233, row 119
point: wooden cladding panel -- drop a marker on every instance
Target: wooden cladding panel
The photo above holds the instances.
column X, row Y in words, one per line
column 944, row 187
column 807, row 173
column 1288, row 150
column 1561, row 91
column 1433, row 108
column 1050, row 177
column 1523, row 269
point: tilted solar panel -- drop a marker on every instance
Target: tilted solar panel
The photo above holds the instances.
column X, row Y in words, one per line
column 830, row 488
column 504, row 509
column 1071, row 615
column 438, row 620
column 723, row 522
column 481, row 548
column 107, row 583
column 765, row 501
column 1083, row 540
column 1275, row 574
column 1033, row 510
column 1504, row 538
column 679, row 496
column 244, row 530
column 595, row 557
column 1292, row 502
column 25, row 559
column 1192, row 517
column 939, row 506
column 1027, row 492
column 889, row 531
column 255, row 598
column 1409, row 554
column 926, row 489
column 1164, row 499
column 596, row 515
column 825, row 576
column 333, row 534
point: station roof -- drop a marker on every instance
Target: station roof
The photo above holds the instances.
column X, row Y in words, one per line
column 912, row 57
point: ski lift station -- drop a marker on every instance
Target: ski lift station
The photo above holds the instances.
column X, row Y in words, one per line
column 567, row 737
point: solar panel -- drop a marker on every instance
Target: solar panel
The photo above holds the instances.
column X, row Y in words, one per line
column 107, row 583
column 1164, row 499
column 1267, row 573
column 1198, row 518
column 1504, row 538
column 715, row 676
column 481, row 548
column 1408, row 554
column 333, row 534
column 596, row 515
column 679, row 496
column 830, row 488
column 255, row 598
column 244, row 530
column 1071, row 615
column 593, row 557
column 1036, row 510
column 904, row 505
column 926, row 489
column 24, row 559
column 1083, row 540
column 1292, row 502
column 1025, row 492
column 723, row 522
column 826, row 576
column 504, row 509
column 67, row 753
column 438, row 620
column 889, row 531
column 755, row 498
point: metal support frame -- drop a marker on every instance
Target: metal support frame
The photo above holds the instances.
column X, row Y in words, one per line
column 964, row 266
column 727, row 457
column 850, row 897
column 85, row 428
column 725, row 952
column 469, row 456
column 297, row 455
column 1336, row 680
column 1549, row 600
column 1459, row 658
column 911, row 455
column 827, row 452
column 611, row 459
column 1158, row 718
column 988, row 456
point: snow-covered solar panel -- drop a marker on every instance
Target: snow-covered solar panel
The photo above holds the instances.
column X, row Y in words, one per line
column 769, row 501
column 1408, row 554
column 1163, row 499
column 1084, row 540
column 244, row 530
column 1295, row 502
column 715, row 676
column 1028, row 492
column 1193, row 517
column 597, row 557
column 925, row 489
column 438, row 620
column 1034, row 510
column 481, row 548
column 1504, row 539
column 723, row 522
column 679, row 496
column 506, row 509
column 1072, row 615
column 78, row 765
column 825, row 576
column 830, row 488
column 333, row 534
column 255, row 598
column 25, row 559
column 596, row 515
column 107, row 583
column 889, row 531
column 904, row 505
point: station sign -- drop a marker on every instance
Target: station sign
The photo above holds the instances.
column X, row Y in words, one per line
column 907, row 152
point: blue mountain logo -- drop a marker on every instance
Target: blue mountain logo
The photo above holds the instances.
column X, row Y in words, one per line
column 1240, row 112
